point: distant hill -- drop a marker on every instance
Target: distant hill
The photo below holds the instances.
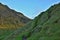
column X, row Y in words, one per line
column 45, row 26
column 9, row 18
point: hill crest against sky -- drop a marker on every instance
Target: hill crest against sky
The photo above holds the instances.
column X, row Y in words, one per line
column 30, row 8
column 10, row 18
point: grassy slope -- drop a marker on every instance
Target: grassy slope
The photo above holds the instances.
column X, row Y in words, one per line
column 49, row 24
column 45, row 26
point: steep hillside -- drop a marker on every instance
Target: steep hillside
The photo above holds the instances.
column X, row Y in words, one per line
column 10, row 21
column 10, row 18
column 45, row 26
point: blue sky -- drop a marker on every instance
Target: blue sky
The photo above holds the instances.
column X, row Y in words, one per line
column 30, row 8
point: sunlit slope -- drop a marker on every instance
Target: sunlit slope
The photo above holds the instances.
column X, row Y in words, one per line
column 10, row 18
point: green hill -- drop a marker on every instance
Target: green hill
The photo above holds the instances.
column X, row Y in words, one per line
column 45, row 26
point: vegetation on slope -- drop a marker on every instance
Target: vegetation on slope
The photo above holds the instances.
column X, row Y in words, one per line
column 45, row 26
column 10, row 18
